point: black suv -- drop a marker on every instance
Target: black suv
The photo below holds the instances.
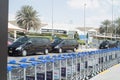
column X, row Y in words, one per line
column 104, row 45
column 29, row 45
column 109, row 44
column 62, row 45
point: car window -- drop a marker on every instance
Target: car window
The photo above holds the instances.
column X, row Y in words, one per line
column 45, row 40
column 36, row 40
column 22, row 39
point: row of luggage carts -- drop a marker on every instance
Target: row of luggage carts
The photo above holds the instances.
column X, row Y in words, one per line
column 68, row 66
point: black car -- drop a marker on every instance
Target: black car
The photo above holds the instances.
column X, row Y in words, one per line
column 104, row 45
column 62, row 45
column 109, row 44
column 10, row 41
column 29, row 45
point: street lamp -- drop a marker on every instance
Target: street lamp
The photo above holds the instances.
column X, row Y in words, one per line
column 85, row 22
column 112, row 14
column 52, row 18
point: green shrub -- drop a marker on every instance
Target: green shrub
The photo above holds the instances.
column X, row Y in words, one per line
column 81, row 42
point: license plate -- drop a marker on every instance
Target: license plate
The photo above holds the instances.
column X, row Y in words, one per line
column 10, row 51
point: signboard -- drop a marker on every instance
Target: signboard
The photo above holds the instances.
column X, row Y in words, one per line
column 40, row 76
column 56, row 74
column 69, row 70
column 49, row 75
column 82, row 65
column 63, row 72
column 78, row 67
column 73, row 69
column 86, row 64
column 30, row 78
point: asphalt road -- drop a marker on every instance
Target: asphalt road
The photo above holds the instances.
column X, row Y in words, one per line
column 112, row 73
column 18, row 58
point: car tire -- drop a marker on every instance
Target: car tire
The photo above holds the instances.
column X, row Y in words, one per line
column 74, row 49
column 60, row 50
column 24, row 53
column 46, row 51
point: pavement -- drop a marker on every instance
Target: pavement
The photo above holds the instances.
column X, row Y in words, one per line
column 112, row 73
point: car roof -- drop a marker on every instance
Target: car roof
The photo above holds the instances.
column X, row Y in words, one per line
column 36, row 37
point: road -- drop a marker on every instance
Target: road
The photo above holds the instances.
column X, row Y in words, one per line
column 51, row 54
column 112, row 73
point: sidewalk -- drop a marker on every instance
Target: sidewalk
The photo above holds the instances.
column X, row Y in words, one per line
column 110, row 74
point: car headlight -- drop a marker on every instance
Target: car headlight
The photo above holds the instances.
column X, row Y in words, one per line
column 106, row 45
column 57, row 47
column 19, row 48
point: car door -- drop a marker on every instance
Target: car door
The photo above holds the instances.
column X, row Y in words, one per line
column 30, row 46
column 39, row 44
column 65, row 45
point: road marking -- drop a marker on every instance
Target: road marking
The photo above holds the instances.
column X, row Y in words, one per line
column 108, row 69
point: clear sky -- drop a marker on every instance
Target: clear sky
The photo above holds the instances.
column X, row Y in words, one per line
column 70, row 11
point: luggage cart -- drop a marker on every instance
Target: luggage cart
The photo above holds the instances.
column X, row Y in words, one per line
column 18, row 72
column 57, row 67
column 9, row 69
column 79, row 55
column 86, row 71
column 31, row 69
column 49, row 69
column 91, row 64
column 69, row 66
column 40, row 68
column 74, row 66
column 64, row 67
column 83, row 69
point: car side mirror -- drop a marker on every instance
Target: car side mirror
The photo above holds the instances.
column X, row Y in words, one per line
column 29, row 42
column 63, row 43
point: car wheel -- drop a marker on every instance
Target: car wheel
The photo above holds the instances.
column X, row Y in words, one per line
column 24, row 53
column 60, row 50
column 74, row 49
column 46, row 51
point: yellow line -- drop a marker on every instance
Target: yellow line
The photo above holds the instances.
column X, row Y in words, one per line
column 108, row 69
column 104, row 72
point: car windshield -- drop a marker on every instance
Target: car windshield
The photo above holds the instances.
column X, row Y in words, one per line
column 22, row 39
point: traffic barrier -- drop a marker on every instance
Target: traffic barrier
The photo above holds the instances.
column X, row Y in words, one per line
column 68, row 66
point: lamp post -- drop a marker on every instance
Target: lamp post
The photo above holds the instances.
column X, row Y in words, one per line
column 52, row 18
column 112, row 14
column 85, row 22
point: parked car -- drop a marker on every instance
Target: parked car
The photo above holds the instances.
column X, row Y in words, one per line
column 104, row 45
column 117, row 44
column 62, row 45
column 10, row 41
column 109, row 44
column 29, row 45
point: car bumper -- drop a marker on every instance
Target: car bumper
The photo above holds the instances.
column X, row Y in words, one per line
column 15, row 52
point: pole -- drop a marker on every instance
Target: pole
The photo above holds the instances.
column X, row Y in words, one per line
column 112, row 17
column 52, row 18
column 85, row 22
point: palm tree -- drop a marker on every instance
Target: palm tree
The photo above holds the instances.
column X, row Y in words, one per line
column 104, row 27
column 27, row 18
column 117, row 26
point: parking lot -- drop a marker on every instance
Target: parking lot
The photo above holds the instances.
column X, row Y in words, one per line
column 17, row 58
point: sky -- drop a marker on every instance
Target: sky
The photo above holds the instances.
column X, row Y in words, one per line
column 70, row 11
